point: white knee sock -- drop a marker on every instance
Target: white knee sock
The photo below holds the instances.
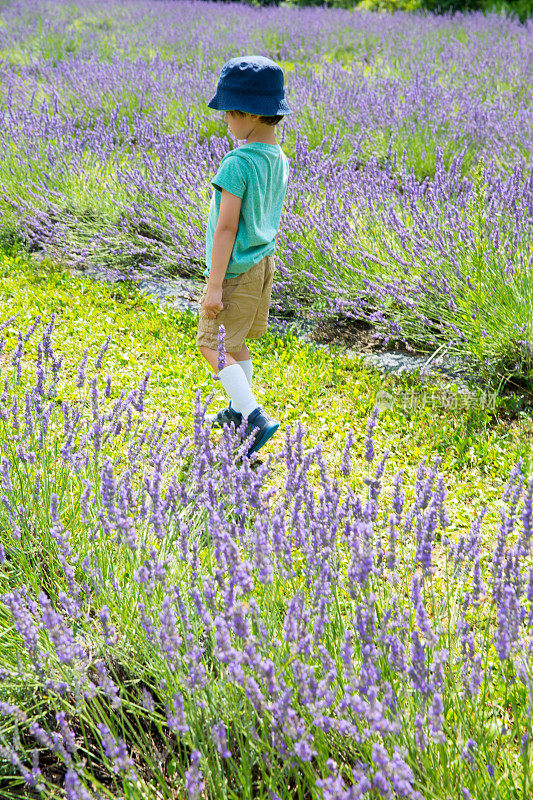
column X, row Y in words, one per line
column 235, row 383
column 248, row 369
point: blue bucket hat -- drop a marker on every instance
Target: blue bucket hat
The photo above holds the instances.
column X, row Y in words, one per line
column 253, row 84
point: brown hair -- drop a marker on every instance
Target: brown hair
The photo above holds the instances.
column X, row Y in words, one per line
column 262, row 118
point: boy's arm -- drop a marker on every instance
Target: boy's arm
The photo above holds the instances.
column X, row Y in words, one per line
column 223, row 241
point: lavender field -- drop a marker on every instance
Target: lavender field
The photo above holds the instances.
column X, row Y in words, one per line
column 176, row 623
column 410, row 153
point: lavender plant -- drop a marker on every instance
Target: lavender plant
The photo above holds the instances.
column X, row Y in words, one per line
column 178, row 622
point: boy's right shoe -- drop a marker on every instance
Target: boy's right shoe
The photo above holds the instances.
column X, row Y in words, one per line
column 263, row 426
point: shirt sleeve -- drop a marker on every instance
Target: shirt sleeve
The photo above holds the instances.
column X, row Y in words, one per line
column 231, row 176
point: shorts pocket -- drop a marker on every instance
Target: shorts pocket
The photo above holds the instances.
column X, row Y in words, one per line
column 238, row 280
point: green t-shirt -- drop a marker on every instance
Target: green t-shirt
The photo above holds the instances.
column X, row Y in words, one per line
column 258, row 174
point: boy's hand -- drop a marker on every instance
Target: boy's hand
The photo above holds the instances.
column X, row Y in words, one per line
column 212, row 302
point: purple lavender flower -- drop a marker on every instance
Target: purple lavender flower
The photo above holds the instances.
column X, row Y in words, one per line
column 508, row 615
column 221, row 347
column 304, row 750
column 220, row 738
column 369, row 442
column 31, row 330
column 40, row 371
column 17, row 356
column 73, row 787
column 418, row 670
column 8, row 322
column 116, row 751
column 176, row 719
column 50, row 741
column 420, row 734
column 194, row 779
column 107, row 685
column 398, row 499
column 346, row 462
column 436, row 718
column 110, row 633
column 103, row 350
column 67, row 733
column 32, row 778
column 24, row 621
column 67, row 649
column 5, row 474
column 139, row 396
column 47, row 336
column 148, row 701
column 402, row 776
column 81, row 369
column 7, row 709
column 468, row 751
column 381, row 784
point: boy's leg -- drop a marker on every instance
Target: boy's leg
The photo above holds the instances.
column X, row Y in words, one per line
column 233, row 379
column 241, row 297
column 228, row 415
column 244, row 360
column 241, row 357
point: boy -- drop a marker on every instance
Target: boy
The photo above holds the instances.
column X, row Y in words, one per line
column 244, row 215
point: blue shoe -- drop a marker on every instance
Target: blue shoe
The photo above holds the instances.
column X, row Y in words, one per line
column 264, row 428
column 225, row 417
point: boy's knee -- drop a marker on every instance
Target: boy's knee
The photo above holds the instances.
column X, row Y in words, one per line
column 204, row 351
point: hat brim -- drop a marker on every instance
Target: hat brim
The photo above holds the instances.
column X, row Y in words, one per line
column 264, row 106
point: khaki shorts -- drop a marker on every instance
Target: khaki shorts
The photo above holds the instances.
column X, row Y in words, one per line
column 246, row 300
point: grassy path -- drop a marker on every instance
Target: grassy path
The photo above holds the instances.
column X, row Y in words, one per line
column 325, row 391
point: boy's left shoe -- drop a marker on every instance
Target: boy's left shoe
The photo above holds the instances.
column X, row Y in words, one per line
column 225, row 417
column 264, row 428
